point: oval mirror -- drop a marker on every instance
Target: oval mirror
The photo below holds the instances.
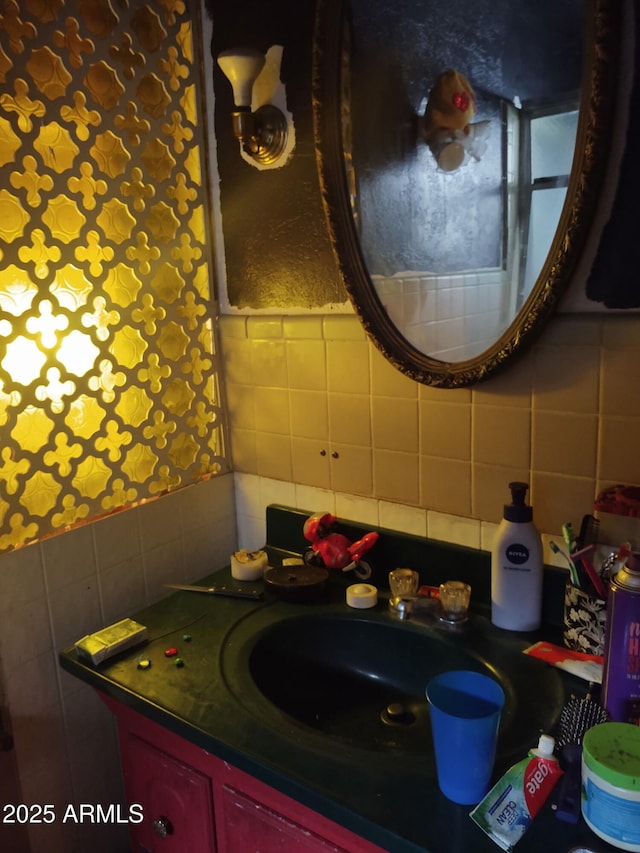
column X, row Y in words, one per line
column 461, row 146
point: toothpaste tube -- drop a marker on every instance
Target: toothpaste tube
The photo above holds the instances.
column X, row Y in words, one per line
column 506, row 812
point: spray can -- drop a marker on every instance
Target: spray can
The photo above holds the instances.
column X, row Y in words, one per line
column 621, row 673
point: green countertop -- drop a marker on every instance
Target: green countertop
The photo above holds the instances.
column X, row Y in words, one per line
column 392, row 800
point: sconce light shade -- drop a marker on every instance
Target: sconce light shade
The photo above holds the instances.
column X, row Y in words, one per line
column 241, row 67
column 263, row 133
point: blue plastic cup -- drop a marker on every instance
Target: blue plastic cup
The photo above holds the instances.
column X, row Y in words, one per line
column 465, row 710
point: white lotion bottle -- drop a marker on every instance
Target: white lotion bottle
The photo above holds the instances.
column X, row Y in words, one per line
column 517, row 567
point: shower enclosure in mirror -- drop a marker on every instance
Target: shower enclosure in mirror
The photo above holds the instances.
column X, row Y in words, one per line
column 461, row 148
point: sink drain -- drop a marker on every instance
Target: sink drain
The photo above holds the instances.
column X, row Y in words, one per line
column 397, row 714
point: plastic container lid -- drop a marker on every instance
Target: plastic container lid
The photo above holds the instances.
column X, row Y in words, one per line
column 612, row 751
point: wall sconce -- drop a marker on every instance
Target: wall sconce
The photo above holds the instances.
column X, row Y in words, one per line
column 263, row 133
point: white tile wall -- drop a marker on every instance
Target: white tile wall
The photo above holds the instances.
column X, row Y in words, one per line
column 55, row 591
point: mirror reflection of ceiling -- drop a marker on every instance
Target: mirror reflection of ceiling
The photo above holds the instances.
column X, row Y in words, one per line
column 453, row 255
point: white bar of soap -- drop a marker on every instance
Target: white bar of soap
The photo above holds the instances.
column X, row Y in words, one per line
column 248, row 565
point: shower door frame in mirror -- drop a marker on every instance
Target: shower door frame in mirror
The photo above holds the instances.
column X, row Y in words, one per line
column 332, row 115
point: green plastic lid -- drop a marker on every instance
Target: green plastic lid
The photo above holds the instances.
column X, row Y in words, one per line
column 612, row 751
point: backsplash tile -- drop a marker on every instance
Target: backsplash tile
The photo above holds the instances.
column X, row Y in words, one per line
column 564, row 417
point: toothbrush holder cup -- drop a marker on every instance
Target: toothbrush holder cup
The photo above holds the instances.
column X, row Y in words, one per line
column 585, row 619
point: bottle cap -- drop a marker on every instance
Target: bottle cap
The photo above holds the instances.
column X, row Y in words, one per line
column 546, row 745
column 518, row 510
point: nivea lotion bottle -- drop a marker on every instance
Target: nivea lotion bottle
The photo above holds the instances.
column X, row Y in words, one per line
column 517, row 567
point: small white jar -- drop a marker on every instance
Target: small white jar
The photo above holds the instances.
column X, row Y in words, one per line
column 611, row 783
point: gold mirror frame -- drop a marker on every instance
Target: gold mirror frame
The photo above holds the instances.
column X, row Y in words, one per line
column 597, row 112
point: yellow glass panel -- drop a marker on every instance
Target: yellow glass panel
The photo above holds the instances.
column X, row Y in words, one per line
column 87, row 186
column 188, row 104
column 174, row 69
column 13, row 218
column 128, row 346
column 113, row 442
column 40, row 493
column 23, row 361
column 32, row 430
column 185, row 40
column 46, row 325
column 157, row 160
column 110, row 154
column 19, row 533
column 184, row 450
column 173, row 341
column 77, row 353
column 106, row 336
column 134, row 406
column 55, row 390
column 45, row 10
column 192, row 165
column 92, row 477
column 48, row 72
column 201, row 281
column 70, row 40
column 85, row 417
column 9, row 143
column 191, row 311
column 63, row 219
column 137, row 189
column 71, row 514
column 119, row 497
column 21, row 104
column 139, row 463
column 94, row 253
column 160, row 429
column 17, row 291
column 39, row 254
column 122, row 285
column 30, row 181
column 168, row 283
column 6, row 402
column 11, row 470
column 100, row 319
column 182, row 194
column 148, row 28
column 71, row 288
column 61, row 457
column 56, row 148
column 163, row 223
column 149, row 315
column 80, row 116
column 197, row 224
column 98, row 17
column 102, row 82
column 153, row 96
column 178, row 397
column 116, row 221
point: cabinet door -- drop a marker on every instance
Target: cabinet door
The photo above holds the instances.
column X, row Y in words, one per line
column 176, row 800
column 247, row 825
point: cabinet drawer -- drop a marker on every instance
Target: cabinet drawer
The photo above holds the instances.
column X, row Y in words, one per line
column 176, row 800
column 247, row 824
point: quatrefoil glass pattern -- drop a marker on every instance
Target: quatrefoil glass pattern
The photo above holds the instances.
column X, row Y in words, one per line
column 109, row 372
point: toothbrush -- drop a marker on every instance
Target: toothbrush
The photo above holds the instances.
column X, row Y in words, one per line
column 573, row 572
column 569, row 537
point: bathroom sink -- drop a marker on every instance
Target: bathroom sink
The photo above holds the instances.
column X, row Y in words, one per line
column 361, row 680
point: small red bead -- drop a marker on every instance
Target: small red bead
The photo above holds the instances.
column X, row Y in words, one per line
column 171, row 653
